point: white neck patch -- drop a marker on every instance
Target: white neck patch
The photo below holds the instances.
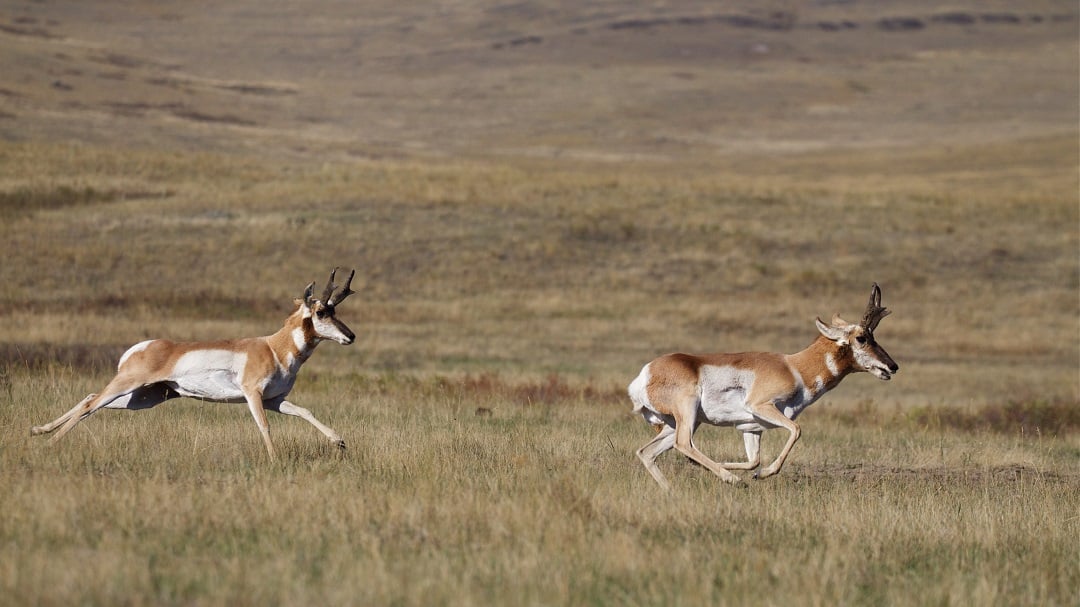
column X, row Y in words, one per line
column 299, row 340
column 830, row 363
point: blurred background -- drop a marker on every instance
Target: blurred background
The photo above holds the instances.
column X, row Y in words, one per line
column 545, row 187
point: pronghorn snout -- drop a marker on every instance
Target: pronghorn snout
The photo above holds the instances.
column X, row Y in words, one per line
column 345, row 336
column 348, row 339
column 885, row 368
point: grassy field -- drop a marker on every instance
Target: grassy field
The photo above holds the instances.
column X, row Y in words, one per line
column 539, row 503
column 520, row 291
column 537, row 202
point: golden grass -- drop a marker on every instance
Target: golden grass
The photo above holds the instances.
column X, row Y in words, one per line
column 533, row 292
column 532, row 504
column 465, row 267
column 563, row 195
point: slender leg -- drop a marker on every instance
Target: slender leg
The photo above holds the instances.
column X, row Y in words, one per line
column 255, row 405
column 768, row 413
column 685, row 423
column 143, row 397
column 663, row 441
column 752, row 443
column 288, row 408
column 49, row 427
column 119, row 387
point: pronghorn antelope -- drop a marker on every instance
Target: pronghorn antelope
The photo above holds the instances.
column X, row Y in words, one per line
column 258, row 370
column 753, row 391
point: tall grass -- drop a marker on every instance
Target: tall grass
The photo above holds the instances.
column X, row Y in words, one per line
column 539, row 502
column 501, row 311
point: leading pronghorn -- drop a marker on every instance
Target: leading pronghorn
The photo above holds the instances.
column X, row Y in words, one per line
column 258, row 370
column 753, row 391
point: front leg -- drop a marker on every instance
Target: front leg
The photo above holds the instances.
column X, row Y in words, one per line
column 752, row 442
column 768, row 413
column 255, row 405
column 287, row 408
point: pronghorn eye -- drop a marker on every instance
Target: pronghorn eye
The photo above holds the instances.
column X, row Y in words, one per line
column 861, row 339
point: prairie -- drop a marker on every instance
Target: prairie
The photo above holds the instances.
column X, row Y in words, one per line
column 538, row 200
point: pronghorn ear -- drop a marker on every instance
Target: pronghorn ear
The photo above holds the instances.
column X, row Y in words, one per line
column 303, row 307
column 837, row 334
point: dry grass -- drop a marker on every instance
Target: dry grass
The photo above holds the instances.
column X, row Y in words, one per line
column 535, row 503
column 501, row 312
column 601, row 269
column 537, row 203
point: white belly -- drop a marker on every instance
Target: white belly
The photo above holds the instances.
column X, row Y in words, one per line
column 210, row 375
column 724, row 392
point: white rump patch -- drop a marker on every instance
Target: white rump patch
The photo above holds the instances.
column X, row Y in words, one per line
column 639, row 392
column 139, row 347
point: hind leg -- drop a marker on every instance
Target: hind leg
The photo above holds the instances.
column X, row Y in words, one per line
column 49, row 427
column 663, row 441
column 121, row 393
column 143, row 397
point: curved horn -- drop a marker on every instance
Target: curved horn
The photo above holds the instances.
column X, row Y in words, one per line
column 344, row 292
column 328, row 292
column 874, row 311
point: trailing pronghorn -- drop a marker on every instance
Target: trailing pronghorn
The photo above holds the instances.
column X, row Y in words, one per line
column 258, row 370
column 753, row 391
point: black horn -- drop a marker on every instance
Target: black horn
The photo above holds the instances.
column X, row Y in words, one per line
column 344, row 292
column 328, row 292
column 874, row 311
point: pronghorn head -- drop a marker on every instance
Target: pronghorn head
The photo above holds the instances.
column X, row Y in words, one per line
column 321, row 310
column 865, row 351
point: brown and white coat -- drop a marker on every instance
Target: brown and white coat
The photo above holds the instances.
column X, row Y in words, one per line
column 260, row 371
column 752, row 391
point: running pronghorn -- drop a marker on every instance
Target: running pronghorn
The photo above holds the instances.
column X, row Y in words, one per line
column 257, row 370
column 753, row 391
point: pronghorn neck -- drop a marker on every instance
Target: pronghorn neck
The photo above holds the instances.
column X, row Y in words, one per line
column 294, row 342
column 822, row 365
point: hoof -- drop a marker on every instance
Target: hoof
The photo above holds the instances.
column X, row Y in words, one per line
column 340, row 444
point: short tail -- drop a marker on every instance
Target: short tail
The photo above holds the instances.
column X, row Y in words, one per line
column 639, row 395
